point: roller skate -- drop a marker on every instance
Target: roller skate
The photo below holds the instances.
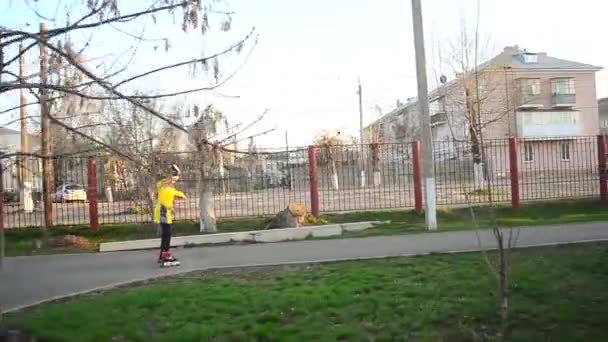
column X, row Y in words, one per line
column 167, row 260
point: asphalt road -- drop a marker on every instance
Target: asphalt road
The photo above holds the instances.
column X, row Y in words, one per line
column 26, row 281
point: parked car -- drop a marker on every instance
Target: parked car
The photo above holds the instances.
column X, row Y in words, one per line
column 70, row 193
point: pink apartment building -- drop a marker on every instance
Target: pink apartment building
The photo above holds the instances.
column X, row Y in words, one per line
column 549, row 104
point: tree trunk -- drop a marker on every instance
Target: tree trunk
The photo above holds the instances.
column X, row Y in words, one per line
column 478, row 167
column 334, row 176
column 504, row 313
column 150, row 202
column 109, row 195
column 207, row 219
column 478, row 176
column 26, row 197
column 474, row 133
column 362, row 178
column 377, row 177
column 220, row 167
column 503, row 285
column 362, row 173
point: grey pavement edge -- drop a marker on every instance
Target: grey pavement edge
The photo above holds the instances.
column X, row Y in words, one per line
column 29, row 281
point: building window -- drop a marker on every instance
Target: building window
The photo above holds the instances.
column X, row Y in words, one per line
column 528, row 153
column 563, row 86
column 605, row 123
column 565, row 151
column 436, row 106
column 529, row 86
column 530, row 58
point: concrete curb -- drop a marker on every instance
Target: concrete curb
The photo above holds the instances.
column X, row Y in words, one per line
column 255, row 236
column 303, row 262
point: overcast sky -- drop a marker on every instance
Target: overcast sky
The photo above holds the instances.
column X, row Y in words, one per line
column 305, row 66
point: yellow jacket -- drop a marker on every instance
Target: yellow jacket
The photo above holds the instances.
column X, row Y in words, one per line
column 164, row 203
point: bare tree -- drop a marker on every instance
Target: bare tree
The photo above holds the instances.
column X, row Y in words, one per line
column 331, row 144
column 478, row 94
column 110, row 82
column 478, row 97
column 210, row 161
column 251, row 162
column 214, row 142
column 100, row 15
column 145, row 141
column 376, row 146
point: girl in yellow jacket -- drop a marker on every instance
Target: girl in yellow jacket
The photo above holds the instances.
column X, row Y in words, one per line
column 167, row 193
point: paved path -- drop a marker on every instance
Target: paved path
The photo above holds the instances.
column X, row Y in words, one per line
column 29, row 280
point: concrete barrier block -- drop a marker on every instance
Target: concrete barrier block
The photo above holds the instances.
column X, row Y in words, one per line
column 278, row 235
column 326, row 231
column 243, row 236
column 265, row 236
column 356, row 227
column 206, row 239
column 129, row 245
column 359, row 226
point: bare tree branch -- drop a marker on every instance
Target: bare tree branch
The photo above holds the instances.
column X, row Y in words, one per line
column 198, row 60
column 38, row 14
column 101, row 83
column 253, row 123
column 6, row 124
column 22, row 35
column 92, row 139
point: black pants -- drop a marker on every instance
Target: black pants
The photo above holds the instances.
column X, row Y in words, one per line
column 165, row 238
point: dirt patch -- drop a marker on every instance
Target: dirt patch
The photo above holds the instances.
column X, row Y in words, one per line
column 71, row 242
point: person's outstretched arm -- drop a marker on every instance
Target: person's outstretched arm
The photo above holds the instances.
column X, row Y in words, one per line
column 178, row 194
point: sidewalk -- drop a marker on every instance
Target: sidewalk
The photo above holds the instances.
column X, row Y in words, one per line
column 27, row 281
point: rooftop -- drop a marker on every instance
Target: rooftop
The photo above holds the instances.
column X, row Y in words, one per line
column 518, row 58
column 8, row 131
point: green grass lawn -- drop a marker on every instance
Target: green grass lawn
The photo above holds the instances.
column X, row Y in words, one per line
column 21, row 241
column 430, row 298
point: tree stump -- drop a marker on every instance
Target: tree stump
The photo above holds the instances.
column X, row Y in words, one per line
column 293, row 216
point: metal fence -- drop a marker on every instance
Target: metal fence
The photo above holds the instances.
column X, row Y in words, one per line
column 350, row 177
column 565, row 168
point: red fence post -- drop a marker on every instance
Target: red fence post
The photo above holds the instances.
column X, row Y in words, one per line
column 417, row 176
column 93, row 214
column 601, row 159
column 1, row 215
column 314, row 181
column 514, row 168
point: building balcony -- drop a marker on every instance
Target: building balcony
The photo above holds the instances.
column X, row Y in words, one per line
column 439, row 119
column 530, row 101
column 436, row 108
column 549, row 124
column 564, row 100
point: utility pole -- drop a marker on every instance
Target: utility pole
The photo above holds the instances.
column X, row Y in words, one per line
column 47, row 172
column 428, row 172
column 362, row 163
column 1, row 180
